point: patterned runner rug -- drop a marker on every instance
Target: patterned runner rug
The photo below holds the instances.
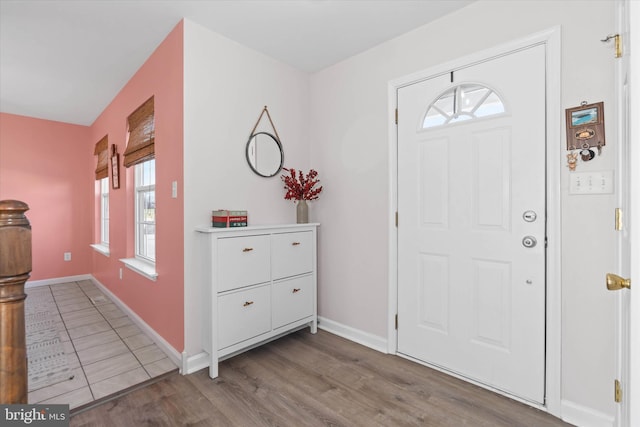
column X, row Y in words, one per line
column 47, row 363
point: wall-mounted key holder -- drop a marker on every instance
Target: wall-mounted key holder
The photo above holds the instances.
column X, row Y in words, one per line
column 585, row 129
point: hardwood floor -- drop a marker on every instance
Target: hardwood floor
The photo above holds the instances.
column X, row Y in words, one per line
column 314, row 380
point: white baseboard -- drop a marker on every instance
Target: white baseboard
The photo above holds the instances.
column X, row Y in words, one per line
column 194, row 363
column 585, row 417
column 56, row 281
column 365, row 338
column 168, row 349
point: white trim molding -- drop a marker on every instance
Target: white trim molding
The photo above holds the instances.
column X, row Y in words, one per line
column 361, row 337
column 194, row 363
column 579, row 415
column 634, row 191
column 168, row 349
column 145, row 269
column 56, row 280
column 100, row 248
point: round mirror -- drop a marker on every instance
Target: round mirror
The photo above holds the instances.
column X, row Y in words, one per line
column 264, row 154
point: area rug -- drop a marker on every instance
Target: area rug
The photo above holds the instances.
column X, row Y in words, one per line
column 47, row 362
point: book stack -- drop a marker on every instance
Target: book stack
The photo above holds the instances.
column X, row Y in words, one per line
column 223, row 218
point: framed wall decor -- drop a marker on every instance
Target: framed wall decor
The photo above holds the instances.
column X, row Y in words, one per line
column 115, row 167
column 585, row 126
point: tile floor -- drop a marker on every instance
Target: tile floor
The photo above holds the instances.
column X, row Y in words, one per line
column 106, row 350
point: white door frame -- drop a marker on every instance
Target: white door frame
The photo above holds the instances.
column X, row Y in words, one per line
column 552, row 39
column 634, row 191
column 623, row 195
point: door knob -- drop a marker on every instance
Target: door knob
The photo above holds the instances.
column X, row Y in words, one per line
column 615, row 282
column 529, row 241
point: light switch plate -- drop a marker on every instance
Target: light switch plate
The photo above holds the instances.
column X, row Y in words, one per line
column 598, row 182
column 174, row 189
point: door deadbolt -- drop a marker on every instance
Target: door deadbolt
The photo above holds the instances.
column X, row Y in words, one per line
column 529, row 216
column 529, row 241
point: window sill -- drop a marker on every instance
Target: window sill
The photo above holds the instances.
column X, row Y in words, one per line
column 104, row 250
column 143, row 268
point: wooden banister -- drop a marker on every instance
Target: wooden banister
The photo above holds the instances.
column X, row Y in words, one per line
column 15, row 268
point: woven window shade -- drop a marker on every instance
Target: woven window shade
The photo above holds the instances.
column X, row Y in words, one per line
column 102, row 151
column 140, row 147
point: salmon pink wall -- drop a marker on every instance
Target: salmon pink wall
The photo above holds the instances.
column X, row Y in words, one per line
column 159, row 303
column 46, row 164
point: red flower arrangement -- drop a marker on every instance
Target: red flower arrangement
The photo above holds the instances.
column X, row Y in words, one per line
column 301, row 187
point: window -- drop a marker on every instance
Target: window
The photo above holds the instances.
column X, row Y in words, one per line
column 140, row 154
column 463, row 102
column 104, row 212
column 145, row 206
column 102, row 205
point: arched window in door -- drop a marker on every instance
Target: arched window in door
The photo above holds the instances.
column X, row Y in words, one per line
column 466, row 101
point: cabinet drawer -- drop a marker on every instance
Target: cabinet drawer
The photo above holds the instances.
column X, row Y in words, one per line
column 292, row 254
column 243, row 261
column 243, row 315
column 292, row 300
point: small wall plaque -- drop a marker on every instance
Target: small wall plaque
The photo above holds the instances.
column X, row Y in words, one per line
column 585, row 127
column 115, row 167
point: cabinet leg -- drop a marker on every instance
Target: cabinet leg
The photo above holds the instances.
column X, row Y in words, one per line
column 314, row 327
column 213, row 369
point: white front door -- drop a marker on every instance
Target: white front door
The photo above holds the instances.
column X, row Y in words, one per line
column 471, row 231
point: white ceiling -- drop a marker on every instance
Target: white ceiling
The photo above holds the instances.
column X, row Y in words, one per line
column 65, row 60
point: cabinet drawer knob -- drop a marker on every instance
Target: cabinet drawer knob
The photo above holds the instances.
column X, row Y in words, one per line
column 296, row 290
column 295, row 243
column 247, row 303
column 247, row 249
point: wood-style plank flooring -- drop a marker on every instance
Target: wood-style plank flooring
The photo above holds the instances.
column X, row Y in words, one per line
column 314, row 380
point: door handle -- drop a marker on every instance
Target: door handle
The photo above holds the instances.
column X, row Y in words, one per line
column 529, row 242
column 615, row 282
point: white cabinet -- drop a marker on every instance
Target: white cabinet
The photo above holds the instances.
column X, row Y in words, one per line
column 261, row 284
column 291, row 254
column 243, row 314
column 293, row 299
column 242, row 261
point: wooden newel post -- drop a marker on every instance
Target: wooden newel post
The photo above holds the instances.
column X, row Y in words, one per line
column 15, row 266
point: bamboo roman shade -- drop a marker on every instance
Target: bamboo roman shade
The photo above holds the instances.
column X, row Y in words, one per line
column 140, row 147
column 102, row 151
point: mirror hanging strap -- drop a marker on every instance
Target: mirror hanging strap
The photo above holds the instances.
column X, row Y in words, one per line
column 270, row 121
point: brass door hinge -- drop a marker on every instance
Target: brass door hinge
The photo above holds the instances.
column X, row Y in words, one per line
column 396, row 219
column 618, row 224
column 618, row 43
column 396, row 116
column 396, row 321
column 617, row 391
